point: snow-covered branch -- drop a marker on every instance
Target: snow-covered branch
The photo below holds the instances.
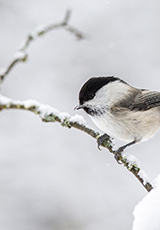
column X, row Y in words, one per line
column 50, row 114
column 21, row 55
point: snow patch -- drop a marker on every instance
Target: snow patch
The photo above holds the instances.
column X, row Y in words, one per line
column 3, row 71
column 5, row 100
column 77, row 118
column 143, row 175
column 147, row 212
column 64, row 115
column 47, row 110
column 131, row 159
column 43, row 109
column 20, row 55
column 29, row 103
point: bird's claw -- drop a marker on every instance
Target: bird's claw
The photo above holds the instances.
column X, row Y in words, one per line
column 103, row 140
column 118, row 157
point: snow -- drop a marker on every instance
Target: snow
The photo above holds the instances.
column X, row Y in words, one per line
column 47, row 110
column 20, row 55
column 44, row 110
column 40, row 28
column 143, row 175
column 23, row 44
column 131, row 159
column 147, row 212
column 5, row 100
column 30, row 102
column 2, row 71
column 78, row 118
column 64, row 115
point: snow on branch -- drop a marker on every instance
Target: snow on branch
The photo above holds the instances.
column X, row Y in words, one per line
column 21, row 55
column 50, row 114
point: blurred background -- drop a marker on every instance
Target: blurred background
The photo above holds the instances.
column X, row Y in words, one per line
column 55, row 178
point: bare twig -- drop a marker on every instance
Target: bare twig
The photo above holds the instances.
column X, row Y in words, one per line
column 21, row 55
column 49, row 114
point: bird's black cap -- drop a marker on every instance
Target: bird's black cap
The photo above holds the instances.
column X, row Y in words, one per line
column 90, row 87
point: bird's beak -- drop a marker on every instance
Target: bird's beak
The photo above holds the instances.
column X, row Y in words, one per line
column 78, row 107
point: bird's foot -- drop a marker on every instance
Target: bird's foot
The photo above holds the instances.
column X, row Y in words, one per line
column 104, row 140
column 118, row 155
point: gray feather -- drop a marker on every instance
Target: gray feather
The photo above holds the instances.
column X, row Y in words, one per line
column 145, row 100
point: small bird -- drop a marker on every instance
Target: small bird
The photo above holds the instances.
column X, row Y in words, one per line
column 120, row 110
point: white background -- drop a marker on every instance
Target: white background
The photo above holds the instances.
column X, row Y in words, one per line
column 51, row 177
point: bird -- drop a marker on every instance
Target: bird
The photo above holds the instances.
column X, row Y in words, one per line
column 120, row 110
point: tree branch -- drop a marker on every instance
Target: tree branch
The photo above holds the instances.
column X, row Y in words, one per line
column 21, row 55
column 50, row 114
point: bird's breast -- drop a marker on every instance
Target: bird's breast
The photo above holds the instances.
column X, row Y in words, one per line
column 114, row 128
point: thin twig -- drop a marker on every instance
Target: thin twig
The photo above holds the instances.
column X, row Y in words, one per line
column 21, row 55
column 49, row 114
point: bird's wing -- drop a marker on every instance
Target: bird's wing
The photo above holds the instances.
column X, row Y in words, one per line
column 145, row 100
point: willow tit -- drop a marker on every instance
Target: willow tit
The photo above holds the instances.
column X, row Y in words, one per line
column 120, row 110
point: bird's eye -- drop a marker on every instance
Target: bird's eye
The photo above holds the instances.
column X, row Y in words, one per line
column 91, row 96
